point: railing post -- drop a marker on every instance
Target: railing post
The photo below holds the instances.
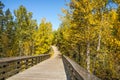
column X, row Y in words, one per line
column 18, row 67
column 39, row 59
column 32, row 61
column 26, row 63
column 36, row 60
column 4, row 71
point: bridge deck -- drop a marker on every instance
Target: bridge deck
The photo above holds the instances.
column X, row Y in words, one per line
column 51, row 69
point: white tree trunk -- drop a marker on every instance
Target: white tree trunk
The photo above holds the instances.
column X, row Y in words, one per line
column 99, row 36
column 88, row 56
column 99, row 42
column 19, row 50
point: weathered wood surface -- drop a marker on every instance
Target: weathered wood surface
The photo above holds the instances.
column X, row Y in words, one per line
column 76, row 72
column 51, row 69
column 12, row 66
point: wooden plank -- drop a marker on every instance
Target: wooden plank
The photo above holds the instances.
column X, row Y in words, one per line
column 11, row 66
column 77, row 71
column 51, row 69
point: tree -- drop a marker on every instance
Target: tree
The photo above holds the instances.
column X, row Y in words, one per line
column 9, row 33
column 86, row 35
column 43, row 37
column 1, row 27
column 25, row 27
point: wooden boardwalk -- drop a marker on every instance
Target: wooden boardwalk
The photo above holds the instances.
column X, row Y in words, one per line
column 51, row 69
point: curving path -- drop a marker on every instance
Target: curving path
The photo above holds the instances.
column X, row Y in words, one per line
column 50, row 69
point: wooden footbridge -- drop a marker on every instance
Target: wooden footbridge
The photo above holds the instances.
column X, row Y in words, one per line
column 43, row 67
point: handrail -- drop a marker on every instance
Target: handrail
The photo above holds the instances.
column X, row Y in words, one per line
column 12, row 66
column 75, row 71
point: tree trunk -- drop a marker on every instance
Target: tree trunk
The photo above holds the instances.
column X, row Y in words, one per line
column 32, row 48
column 88, row 56
column 20, row 53
column 99, row 42
column 99, row 36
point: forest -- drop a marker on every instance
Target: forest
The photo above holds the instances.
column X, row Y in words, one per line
column 89, row 34
column 20, row 35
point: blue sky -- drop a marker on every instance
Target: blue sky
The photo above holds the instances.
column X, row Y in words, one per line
column 48, row 9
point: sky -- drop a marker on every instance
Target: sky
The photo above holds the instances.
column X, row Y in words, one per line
column 49, row 9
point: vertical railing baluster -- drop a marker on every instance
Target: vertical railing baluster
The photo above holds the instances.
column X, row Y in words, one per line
column 18, row 66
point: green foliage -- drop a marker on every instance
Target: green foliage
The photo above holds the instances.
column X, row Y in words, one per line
column 1, row 27
column 20, row 37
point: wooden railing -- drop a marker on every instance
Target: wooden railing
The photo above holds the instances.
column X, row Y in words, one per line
column 75, row 72
column 11, row 66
